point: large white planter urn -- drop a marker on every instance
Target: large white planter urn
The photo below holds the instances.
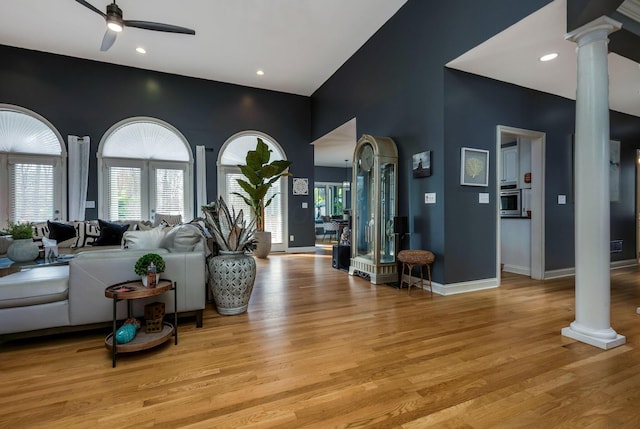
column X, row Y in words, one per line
column 23, row 250
column 232, row 277
column 264, row 244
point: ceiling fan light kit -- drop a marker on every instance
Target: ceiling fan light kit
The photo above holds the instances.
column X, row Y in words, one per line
column 116, row 23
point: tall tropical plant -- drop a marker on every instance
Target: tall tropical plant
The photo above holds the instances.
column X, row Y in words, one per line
column 261, row 175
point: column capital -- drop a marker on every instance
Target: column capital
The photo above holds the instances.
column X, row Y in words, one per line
column 602, row 26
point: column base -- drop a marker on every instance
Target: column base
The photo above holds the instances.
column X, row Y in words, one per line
column 603, row 343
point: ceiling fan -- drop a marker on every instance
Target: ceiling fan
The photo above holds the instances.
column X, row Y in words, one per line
column 115, row 24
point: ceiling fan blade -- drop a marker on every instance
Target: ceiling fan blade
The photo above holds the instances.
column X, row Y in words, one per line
column 93, row 8
column 156, row 26
column 108, row 40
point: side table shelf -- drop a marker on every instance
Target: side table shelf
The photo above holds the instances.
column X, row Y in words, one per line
column 131, row 290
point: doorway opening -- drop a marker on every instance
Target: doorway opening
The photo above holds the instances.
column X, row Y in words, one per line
column 521, row 168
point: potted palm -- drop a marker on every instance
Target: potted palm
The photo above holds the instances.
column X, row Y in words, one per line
column 232, row 272
column 23, row 248
column 260, row 175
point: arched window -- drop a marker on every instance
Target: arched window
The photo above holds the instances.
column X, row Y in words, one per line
column 234, row 152
column 32, row 168
column 145, row 168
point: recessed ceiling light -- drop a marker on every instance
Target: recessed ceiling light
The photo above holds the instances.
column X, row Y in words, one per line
column 141, row 50
column 549, row 57
column 260, row 73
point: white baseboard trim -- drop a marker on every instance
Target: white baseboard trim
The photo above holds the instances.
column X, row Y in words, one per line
column 567, row 272
column 307, row 249
column 515, row 269
column 464, row 287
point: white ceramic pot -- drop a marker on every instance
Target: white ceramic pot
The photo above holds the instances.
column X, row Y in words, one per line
column 144, row 279
column 232, row 275
column 264, row 244
column 23, row 250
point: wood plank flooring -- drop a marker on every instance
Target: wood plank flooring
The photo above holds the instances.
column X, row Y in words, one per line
column 321, row 349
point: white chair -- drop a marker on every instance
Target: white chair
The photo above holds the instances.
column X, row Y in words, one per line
column 331, row 228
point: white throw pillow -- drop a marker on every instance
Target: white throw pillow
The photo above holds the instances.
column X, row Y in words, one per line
column 151, row 239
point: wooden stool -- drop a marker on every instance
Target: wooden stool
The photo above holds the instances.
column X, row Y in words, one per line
column 421, row 258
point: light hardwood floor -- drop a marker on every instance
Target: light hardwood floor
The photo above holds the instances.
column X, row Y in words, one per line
column 321, row 349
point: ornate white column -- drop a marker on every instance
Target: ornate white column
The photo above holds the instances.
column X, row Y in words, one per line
column 593, row 296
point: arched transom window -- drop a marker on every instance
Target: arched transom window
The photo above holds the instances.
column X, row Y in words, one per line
column 233, row 153
column 146, row 168
column 32, row 168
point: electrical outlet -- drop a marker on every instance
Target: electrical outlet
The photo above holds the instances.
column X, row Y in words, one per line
column 291, row 238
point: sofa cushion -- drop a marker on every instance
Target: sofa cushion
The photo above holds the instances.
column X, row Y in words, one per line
column 60, row 231
column 86, row 234
column 110, row 233
column 168, row 220
column 34, row 286
column 181, row 238
column 151, row 239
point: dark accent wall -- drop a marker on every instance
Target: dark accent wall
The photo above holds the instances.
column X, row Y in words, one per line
column 84, row 97
column 394, row 86
column 397, row 85
column 332, row 174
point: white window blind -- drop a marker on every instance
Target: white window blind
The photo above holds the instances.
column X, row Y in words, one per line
column 170, row 191
column 124, row 193
column 32, row 192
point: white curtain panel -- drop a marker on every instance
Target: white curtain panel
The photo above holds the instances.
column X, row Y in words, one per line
column 201, row 177
column 78, row 149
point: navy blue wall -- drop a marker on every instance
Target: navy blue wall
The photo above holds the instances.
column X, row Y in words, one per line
column 86, row 98
column 394, row 86
column 397, row 86
column 332, row 174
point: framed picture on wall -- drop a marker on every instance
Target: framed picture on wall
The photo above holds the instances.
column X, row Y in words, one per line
column 474, row 167
column 422, row 164
column 300, row 186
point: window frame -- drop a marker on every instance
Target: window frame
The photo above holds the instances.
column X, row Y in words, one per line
column 224, row 169
column 148, row 168
column 59, row 162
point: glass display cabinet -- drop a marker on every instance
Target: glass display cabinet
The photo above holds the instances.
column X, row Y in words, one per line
column 374, row 200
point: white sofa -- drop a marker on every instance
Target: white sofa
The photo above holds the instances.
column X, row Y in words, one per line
column 73, row 295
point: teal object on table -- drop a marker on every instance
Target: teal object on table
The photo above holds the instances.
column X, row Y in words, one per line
column 126, row 333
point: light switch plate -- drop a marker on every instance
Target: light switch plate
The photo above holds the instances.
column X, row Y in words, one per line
column 305, row 205
column 430, row 198
column 89, row 204
column 562, row 199
column 483, row 198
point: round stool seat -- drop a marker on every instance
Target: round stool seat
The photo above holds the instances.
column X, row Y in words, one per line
column 411, row 258
column 422, row 257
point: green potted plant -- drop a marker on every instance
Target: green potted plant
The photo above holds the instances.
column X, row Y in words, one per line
column 142, row 266
column 260, row 175
column 23, row 248
column 232, row 273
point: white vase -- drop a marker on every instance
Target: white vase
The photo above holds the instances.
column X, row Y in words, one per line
column 264, row 244
column 144, row 279
column 23, row 250
column 232, row 275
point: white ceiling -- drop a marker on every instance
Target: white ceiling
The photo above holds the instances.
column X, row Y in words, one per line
column 299, row 44
column 513, row 56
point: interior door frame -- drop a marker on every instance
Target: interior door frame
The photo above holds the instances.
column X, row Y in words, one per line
column 538, row 144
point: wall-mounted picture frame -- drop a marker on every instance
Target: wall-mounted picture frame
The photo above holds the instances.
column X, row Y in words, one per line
column 474, row 167
column 300, row 186
column 422, row 164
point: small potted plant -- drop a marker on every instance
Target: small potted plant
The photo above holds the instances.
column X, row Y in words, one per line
column 23, row 248
column 142, row 266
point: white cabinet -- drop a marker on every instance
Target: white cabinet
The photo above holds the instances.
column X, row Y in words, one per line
column 510, row 161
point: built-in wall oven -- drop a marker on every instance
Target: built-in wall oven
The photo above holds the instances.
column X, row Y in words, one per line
column 510, row 203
